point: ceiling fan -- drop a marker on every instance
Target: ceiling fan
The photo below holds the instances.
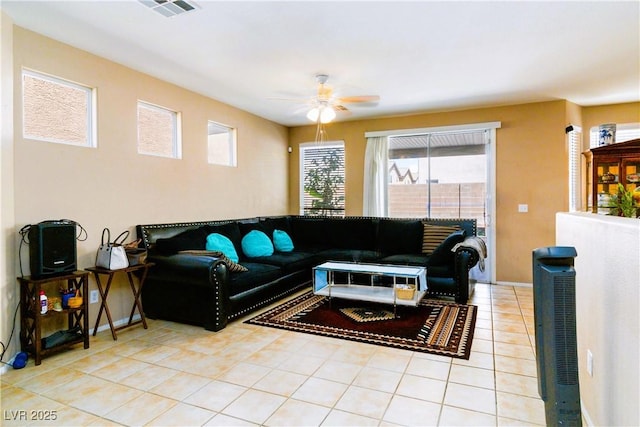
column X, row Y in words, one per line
column 325, row 105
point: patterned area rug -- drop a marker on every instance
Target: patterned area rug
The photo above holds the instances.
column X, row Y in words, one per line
column 437, row 327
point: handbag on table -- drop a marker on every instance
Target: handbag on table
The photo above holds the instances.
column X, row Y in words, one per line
column 112, row 255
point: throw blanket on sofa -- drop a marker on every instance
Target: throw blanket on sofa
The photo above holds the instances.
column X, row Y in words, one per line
column 475, row 243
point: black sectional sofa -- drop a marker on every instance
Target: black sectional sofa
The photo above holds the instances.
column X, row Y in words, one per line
column 190, row 285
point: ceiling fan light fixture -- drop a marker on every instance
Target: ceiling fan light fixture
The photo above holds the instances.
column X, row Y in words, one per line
column 325, row 114
column 313, row 114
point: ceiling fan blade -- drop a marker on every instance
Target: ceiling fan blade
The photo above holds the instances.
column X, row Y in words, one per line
column 359, row 99
column 339, row 107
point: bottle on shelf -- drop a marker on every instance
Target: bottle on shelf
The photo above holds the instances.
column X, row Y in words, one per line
column 43, row 303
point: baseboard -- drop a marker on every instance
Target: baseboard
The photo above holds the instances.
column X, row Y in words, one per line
column 517, row 284
column 116, row 324
column 585, row 415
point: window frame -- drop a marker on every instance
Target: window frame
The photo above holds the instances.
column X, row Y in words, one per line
column 91, row 136
column 232, row 144
column 324, row 145
column 176, row 129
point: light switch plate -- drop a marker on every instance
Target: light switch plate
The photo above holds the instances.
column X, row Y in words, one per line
column 93, row 297
column 523, row 208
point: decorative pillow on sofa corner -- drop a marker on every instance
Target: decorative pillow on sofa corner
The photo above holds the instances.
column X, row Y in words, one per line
column 434, row 235
column 281, row 241
column 233, row 267
column 256, row 244
column 218, row 242
column 194, row 238
column 442, row 254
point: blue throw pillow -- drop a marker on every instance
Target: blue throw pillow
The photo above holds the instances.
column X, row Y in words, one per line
column 282, row 241
column 255, row 244
column 218, row 242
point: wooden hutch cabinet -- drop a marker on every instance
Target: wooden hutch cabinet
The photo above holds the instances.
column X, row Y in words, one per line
column 612, row 165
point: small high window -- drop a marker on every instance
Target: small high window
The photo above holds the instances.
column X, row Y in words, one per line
column 158, row 131
column 57, row 110
column 221, row 144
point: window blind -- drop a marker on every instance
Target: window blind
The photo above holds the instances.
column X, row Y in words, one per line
column 575, row 182
column 323, row 180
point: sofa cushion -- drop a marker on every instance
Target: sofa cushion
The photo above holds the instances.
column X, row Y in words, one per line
column 281, row 241
column 434, row 235
column 400, row 236
column 256, row 244
column 351, row 233
column 247, row 225
column 218, row 242
column 406, row 259
column 289, row 261
column 442, row 255
column 195, row 238
column 354, row 255
column 258, row 275
column 276, row 223
column 309, row 232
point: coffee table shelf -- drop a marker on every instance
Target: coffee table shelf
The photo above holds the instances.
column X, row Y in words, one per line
column 369, row 282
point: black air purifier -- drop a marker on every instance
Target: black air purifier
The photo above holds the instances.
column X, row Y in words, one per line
column 52, row 248
column 554, row 302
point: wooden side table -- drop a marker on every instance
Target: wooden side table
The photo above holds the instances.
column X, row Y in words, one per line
column 31, row 319
column 104, row 294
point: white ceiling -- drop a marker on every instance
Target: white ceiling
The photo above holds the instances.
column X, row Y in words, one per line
column 418, row 56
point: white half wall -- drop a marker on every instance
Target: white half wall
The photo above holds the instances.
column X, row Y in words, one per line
column 608, row 318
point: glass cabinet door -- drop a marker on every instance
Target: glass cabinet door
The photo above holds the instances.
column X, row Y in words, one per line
column 607, row 178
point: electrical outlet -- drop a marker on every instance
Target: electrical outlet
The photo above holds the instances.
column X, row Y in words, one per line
column 93, row 297
column 523, row 208
column 589, row 363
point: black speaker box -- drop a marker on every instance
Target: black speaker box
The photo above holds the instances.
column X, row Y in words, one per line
column 52, row 248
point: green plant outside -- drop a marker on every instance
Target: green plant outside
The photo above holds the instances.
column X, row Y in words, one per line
column 323, row 183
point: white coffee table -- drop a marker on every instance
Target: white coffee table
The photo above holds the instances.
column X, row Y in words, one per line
column 380, row 283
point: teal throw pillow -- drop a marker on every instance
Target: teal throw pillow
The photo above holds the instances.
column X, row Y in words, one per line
column 218, row 242
column 256, row 244
column 282, row 241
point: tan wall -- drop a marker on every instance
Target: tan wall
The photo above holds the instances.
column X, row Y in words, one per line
column 531, row 168
column 112, row 185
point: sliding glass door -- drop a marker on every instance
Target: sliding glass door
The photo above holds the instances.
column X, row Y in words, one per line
column 443, row 174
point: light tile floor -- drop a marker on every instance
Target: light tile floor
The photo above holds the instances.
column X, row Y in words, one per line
column 178, row 375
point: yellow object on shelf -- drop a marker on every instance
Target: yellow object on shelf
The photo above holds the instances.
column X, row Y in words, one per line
column 405, row 292
column 75, row 301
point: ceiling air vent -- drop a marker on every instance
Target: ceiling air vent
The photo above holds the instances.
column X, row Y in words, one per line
column 170, row 8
